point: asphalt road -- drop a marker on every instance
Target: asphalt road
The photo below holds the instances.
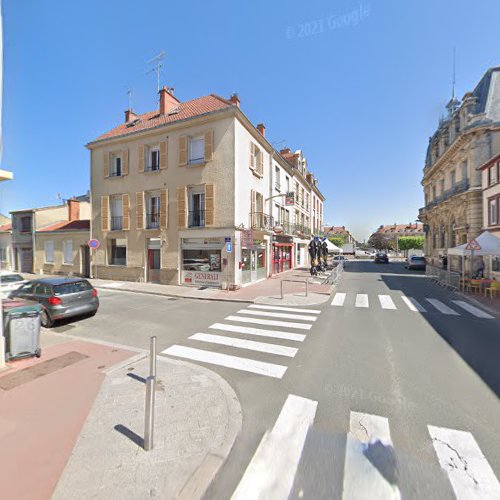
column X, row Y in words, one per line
column 385, row 386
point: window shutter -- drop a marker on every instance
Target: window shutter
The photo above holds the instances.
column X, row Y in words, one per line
column 182, row 150
column 164, row 209
column 209, row 204
column 261, row 163
column 252, row 207
column 141, row 158
column 126, row 209
column 181, row 207
column 209, row 145
column 125, row 163
column 104, row 213
column 106, row 164
column 250, row 164
column 163, row 155
column 139, row 210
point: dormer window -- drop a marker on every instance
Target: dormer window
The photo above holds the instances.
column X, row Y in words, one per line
column 116, row 166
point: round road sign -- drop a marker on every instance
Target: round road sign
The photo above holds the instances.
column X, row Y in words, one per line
column 94, row 244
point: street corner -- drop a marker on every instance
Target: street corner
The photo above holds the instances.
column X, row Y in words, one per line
column 294, row 299
column 197, row 419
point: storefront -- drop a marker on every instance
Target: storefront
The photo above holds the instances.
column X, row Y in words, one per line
column 201, row 262
column 253, row 261
column 302, row 255
column 282, row 254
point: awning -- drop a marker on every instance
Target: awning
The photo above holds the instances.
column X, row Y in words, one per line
column 333, row 248
column 490, row 245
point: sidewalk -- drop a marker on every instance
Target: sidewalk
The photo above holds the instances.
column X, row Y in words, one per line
column 267, row 289
column 93, row 395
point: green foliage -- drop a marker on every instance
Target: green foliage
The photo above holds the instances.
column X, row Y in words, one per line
column 337, row 240
column 380, row 241
column 411, row 242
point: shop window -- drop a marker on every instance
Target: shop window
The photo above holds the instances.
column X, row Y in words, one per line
column 201, row 260
column 118, row 252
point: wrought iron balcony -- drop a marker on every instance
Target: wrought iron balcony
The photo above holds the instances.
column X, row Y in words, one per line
column 262, row 221
column 196, row 218
column 116, row 223
column 153, row 221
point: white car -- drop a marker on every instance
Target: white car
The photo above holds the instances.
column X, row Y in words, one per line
column 9, row 282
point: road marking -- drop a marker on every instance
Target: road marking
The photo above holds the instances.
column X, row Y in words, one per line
column 442, row 307
column 271, row 472
column 370, row 469
column 280, row 350
column 278, row 315
column 269, row 322
column 215, row 358
column 413, row 304
column 470, row 474
column 297, row 337
column 361, row 300
column 386, row 302
column 473, row 310
column 290, row 309
column 338, row 300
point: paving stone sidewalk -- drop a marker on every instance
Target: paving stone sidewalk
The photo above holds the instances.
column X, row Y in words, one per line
column 198, row 417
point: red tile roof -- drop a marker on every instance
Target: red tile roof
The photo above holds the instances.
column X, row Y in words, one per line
column 6, row 228
column 152, row 119
column 400, row 228
column 66, row 225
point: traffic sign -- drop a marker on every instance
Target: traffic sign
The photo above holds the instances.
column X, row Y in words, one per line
column 473, row 245
column 229, row 247
column 94, row 244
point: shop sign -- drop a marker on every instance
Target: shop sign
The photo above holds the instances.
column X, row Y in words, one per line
column 202, row 243
column 246, row 238
column 282, row 239
column 290, row 198
column 206, row 278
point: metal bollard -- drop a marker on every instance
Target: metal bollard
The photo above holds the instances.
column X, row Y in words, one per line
column 152, row 357
column 150, row 413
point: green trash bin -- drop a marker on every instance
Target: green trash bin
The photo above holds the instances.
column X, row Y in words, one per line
column 21, row 328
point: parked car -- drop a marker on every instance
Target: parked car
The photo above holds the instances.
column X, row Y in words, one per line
column 9, row 282
column 60, row 298
column 381, row 258
column 416, row 262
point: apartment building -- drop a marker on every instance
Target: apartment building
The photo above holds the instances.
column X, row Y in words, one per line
column 6, row 256
column 466, row 139
column 339, row 231
column 182, row 195
column 28, row 223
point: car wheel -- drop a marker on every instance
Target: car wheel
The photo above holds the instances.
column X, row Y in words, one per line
column 45, row 319
column 38, row 353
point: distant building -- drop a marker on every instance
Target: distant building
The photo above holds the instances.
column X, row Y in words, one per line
column 339, row 231
column 398, row 230
column 6, row 257
column 468, row 138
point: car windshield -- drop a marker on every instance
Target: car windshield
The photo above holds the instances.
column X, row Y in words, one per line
column 75, row 287
column 10, row 278
column 421, row 259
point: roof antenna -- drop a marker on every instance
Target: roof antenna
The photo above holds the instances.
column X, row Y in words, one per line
column 129, row 93
column 157, row 60
column 453, row 76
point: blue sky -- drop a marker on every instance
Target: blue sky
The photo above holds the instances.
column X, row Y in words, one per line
column 360, row 94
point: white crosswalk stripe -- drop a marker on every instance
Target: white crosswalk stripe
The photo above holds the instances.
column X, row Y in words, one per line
column 280, row 308
column 386, row 302
column 460, row 457
column 248, row 330
column 361, row 300
column 271, row 471
column 412, row 304
column 215, row 358
column 475, row 311
column 270, row 322
column 339, row 299
column 369, row 436
column 251, row 345
column 278, row 315
column 442, row 307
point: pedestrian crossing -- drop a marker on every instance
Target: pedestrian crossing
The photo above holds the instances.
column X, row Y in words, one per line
column 402, row 302
column 263, row 329
column 370, row 468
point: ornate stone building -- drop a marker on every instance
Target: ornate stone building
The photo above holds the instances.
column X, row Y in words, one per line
column 467, row 138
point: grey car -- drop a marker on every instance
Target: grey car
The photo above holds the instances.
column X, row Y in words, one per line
column 60, row 298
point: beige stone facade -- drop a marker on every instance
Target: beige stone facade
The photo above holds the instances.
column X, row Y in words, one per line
column 467, row 138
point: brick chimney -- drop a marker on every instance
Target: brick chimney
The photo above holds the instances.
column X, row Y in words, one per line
column 167, row 100
column 73, row 210
column 130, row 116
column 262, row 129
column 234, row 99
column 285, row 151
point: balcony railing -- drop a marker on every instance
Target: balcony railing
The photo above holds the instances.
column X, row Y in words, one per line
column 151, row 168
column 153, row 221
column 260, row 220
column 196, row 218
column 457, row 188
column 116, row 223
column 301, row 229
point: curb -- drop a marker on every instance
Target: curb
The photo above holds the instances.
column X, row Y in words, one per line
column 478, row 303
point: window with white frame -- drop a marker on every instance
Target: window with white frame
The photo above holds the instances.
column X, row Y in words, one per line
column 115, row 165
column 196, row 201
column 277, row 178
column 493, row 206
column 153, row 208
column 256, row 159
column 49, row 252
column 68, row 252
column 153, row 158
column 197, row 149
column 117, row 252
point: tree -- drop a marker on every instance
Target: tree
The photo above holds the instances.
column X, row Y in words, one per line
column 406, row 243
column 337, row 240
column 380, row 241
